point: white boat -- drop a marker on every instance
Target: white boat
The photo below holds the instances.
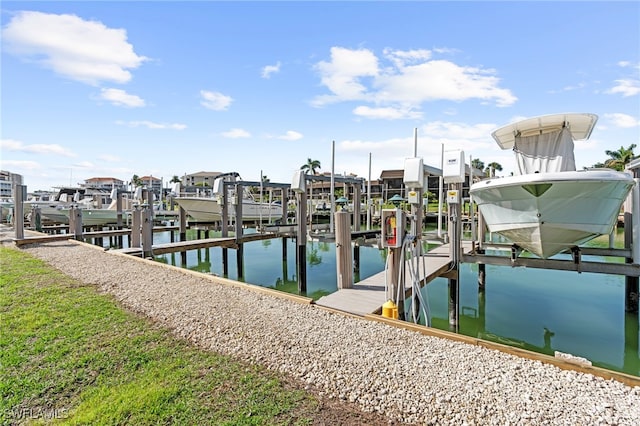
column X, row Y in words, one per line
column 97, row 217
column 550, row 207
column 51, row 206
column 206, row 207
column 57, row 210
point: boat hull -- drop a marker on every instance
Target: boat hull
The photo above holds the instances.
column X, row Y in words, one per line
column 552, row 212
column 206, row 210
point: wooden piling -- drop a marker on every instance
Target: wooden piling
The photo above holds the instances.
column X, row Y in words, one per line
column 136, row 223
column 76, row 214
column 183, row 224
column 301, row 241
column 357, row 215
column 482, row 273
column 36, row 218
column 631, row 284
column 239, row 231
column 455, row 236
column 119, row 221
column 147, row 232
column 20, row 193
column 224, row 201
column 344, row 262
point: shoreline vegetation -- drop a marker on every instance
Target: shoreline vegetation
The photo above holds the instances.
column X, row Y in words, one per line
column 73, row 356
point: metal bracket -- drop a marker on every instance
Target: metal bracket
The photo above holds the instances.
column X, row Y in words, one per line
column 515, row 252
column 577, row 258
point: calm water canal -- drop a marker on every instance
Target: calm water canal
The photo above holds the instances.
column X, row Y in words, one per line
column 539, row 310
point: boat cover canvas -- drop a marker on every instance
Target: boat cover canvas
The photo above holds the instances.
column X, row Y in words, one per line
column 581, row 125
column 545, row 153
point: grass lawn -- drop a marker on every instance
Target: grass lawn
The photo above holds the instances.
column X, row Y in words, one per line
column 69, row 355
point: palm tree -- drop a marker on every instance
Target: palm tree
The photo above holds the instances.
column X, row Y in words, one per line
column 311, row 166
column 175, row 179
column 476, row 163
column 491, row 169
column 618, row 159
column 136, row 181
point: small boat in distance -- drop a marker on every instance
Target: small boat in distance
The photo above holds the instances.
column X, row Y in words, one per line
column 549, row 207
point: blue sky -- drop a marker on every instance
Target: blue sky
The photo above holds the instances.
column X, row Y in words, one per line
column 113, row 89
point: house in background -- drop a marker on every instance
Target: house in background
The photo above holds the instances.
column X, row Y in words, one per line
column 200, row 179
column 152, row 183
column 104, row 184
column 7, row 181
column 392, row 181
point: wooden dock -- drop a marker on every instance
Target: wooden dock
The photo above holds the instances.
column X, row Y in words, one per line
column 46, row 238
column 224, row 242
column 368, row 295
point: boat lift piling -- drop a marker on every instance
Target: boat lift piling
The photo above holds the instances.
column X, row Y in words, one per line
column 237, row 201
column 632, row 238
column 19, row 196
column 454, row 174
column 301, row 241
column 136, row 224
column 75, row 222
column 344, row 262
column 224, row 227
column 36, row 218
column 482, row 268
column 147, row 229
column 454, row 199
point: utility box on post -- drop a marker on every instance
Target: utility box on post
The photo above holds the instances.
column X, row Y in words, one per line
column 453, row 167
column 413, row 173
column 299, row 182
column 393, row 224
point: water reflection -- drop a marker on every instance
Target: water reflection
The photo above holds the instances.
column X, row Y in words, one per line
column 534, row 309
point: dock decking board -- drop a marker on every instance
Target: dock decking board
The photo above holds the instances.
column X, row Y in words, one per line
column 367, row 296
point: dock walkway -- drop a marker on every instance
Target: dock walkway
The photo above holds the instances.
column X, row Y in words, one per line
column 367, row 296
column 178, row 246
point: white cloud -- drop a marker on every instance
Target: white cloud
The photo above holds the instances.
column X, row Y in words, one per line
column 109, row 158
column 47, row 149
column 474, row 139
column 152, row 125
column 623, row 120
column 410, row 79
column 236, row 134
column 20, row 165
column 120, row 97
column 625, row 87
column 81, row 50
column 456, row 131
column 401, row 58
column 84, row 165
column 215, row 100
column 270, row 69
column 343, row 74
column 388, row 113
column 290, row 135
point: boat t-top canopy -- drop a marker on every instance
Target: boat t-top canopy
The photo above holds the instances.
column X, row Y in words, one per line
column 579, row 124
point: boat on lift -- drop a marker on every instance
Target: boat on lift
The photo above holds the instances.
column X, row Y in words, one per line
column 206, row 206
column 548, row 206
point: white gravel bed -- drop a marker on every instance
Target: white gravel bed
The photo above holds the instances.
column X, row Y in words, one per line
column 407, row 376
